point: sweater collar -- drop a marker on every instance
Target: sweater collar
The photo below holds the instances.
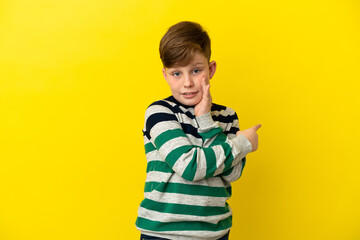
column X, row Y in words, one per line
column 172, row 99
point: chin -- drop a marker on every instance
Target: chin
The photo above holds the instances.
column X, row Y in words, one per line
column 190, row 102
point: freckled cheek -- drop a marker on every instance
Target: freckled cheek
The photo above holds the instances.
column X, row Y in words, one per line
column 175, row 88
column 202, row 75
column 198, row 79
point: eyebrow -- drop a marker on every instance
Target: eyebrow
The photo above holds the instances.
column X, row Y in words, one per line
column 199, row 63
column 193, row 65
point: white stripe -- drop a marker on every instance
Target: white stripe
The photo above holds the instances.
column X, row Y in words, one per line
column 164, row 126
column 146, row 140
column 211, row 182
column 156, row 109
column 201, row 165
column 225, row 126
column 186, row 199
column 235, row 174
column 209, row 141
column 155, row 176
column 234, row 149
column 183, row 118
column 226, row 112
column 235, row 123
column 194, row 140
column 231, row 135
column 172, row 144
column 170, row 217
column 219, row 170
column 183, row 161
column 186, row 235
column 154, row 156
column 220, row 154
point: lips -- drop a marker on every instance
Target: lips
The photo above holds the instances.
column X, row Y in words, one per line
column 189, row 94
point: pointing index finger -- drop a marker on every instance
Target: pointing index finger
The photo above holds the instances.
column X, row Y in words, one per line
column 256, row 127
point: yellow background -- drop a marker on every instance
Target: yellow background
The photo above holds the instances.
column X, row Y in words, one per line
column 77, row 76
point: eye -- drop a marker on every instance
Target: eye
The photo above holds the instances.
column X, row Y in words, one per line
column 195, row 71
column 176, row 74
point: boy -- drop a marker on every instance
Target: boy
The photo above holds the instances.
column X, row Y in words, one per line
column 194, row 148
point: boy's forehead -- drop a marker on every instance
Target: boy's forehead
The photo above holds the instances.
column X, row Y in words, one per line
column 197, row 59
column 192, row 64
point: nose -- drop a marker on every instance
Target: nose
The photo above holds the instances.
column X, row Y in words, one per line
column 188, row 81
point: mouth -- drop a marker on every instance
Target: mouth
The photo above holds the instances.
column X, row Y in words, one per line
column 189, row 94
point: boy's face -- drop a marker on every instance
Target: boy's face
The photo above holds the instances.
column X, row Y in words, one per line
column 185, row 81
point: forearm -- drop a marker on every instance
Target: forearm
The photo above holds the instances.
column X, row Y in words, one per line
column 235, row 172
column 218, row 154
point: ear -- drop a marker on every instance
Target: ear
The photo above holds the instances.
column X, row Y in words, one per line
column 165, row 75
column 212, row 69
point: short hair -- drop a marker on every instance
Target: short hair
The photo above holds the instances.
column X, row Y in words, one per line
column 181, row 42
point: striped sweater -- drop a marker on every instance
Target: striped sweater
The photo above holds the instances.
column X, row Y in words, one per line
column 191, row 162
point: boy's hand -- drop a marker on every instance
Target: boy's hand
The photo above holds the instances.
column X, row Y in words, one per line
column 204, row 106
column 251, row 135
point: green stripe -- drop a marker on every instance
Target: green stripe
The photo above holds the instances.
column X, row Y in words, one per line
column 220, row 139
column 149, row 147
column 149, row 186
column 228, row 172
column 191, row 168
column 158, row 166
column 211, row 133
column 243, row 164
column 229, row 157
column 189, row 189
column 183, row 226
column 210, row 161
column 168, row 135
column 229, row 191
column 174, row 155
column 183, row 209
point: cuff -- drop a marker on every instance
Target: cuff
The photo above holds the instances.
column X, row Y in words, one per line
column 243, row 144
column 205, row 121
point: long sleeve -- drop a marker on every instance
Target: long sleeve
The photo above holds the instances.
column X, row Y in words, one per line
column 235, row 172
column 187, row 160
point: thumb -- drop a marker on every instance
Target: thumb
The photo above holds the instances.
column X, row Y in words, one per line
column 256, row 127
